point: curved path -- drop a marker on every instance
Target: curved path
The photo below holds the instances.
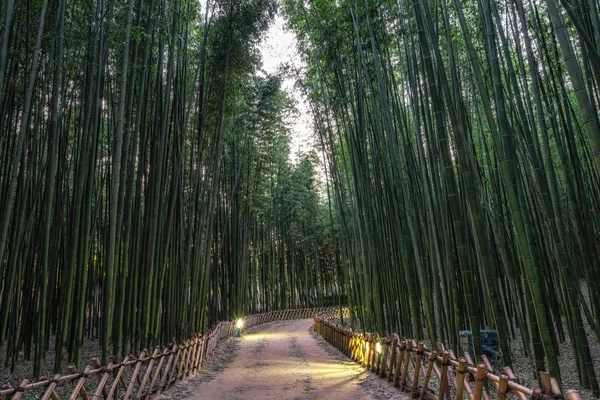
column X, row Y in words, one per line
column 283, row 360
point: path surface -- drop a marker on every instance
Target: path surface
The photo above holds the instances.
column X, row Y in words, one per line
column 282, row 360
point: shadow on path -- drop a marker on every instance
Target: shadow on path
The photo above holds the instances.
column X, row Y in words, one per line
column 282, row 360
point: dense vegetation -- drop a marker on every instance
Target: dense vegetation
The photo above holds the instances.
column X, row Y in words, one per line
column 147, row 192
column 463, row 144
column 146, row 188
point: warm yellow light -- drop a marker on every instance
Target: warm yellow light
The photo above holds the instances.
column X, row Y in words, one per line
column 378, row 347
column 240, row 323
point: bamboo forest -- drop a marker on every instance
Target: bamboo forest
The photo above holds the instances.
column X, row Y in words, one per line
column 151, row 185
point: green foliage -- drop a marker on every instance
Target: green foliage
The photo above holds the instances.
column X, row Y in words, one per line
column 457, row 151
column 143, row 177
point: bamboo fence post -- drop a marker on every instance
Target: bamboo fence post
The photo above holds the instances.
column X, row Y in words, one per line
column 194, row 355
column 119, row 374
column 573, row 395
column 134, row 376
column 490, row 369
column 418, row 361
column 511, row 377
column 21, row 389
column 363, row 350
column 79, row 386
column 148, row 372
column 360, row 348
column 349, row 348
column 125, row 365
column 444, row 375
column 407, row 356
column 371, row 353
column 384, row 359
column 399, row 363
column 171, row 376
column 202, row 353
column 191, row 357
column 165, row 373
column 480, row 378
column 182, row 361
column 427, row 378
column 367, row 357
column 393, row 358
column 349, row 335
column 189, row 363
column 555, row 386
column 545, row 379
column 334, row 336
column 502, row 390
column 374, row 354
column 158, row 371
column 377, row 357
column 101, row 378
column 452, row 371
column 488, row 365
column 354, row 345
column 460, row 378
column 469, row 360
column 208, row 346
column 49, row 393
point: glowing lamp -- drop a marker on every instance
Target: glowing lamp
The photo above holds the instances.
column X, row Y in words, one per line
column 239, row 325
column 378, row 347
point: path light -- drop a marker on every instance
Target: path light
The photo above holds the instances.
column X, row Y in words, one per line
column 380, row 353
column 378, row 347
column 239, row 325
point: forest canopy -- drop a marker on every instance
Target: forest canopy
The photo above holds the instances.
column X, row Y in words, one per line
column 147, row 191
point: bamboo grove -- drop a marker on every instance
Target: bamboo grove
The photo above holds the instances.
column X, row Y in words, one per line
column 146, row 191
column 462, row 145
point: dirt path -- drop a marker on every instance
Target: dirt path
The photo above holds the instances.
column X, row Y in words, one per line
column 282, row 360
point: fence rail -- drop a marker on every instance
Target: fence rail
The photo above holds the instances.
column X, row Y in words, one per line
column 140, row 377
column 431, row 374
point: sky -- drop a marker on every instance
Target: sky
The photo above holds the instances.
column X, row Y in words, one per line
column 278, row 47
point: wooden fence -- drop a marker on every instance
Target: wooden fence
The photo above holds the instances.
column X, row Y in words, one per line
column 140, row 377
column 429, row 374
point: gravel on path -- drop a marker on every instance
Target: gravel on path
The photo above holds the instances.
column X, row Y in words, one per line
column 282, row 360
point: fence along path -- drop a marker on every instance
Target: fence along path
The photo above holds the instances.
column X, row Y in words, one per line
column 408, row 365
column 429, row 374
column 140, row 377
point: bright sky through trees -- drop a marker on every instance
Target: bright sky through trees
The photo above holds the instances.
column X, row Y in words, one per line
column 279, row 48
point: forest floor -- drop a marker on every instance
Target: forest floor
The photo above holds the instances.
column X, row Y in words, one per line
column 282, row 360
